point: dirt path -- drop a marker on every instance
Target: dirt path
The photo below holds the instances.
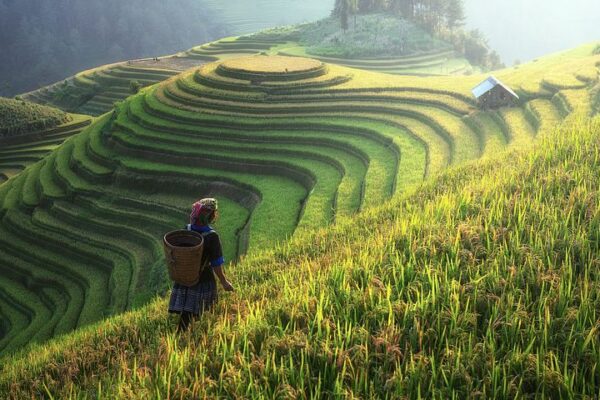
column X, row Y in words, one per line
column 172, row 62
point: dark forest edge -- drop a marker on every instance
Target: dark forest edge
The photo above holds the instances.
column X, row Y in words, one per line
column 45, row 41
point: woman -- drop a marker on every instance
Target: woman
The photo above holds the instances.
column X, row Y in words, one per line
column 191, row 301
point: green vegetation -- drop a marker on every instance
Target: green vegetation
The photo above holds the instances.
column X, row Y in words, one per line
column 377, row 42
column 368, row 36
column 40, row 130
column 286, row 152
column 95, row 91
column 443, row 20
column 18, row 117
column 481, row 281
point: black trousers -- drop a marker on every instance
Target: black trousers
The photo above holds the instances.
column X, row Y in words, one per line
column 185, row 320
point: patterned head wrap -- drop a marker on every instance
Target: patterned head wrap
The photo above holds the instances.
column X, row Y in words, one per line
column 203, row 211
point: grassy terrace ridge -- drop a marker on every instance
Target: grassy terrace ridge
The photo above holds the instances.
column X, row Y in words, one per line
column 285, row 154
column 19, row 117
column 95, row 91
column 480, row 282
column 18, row 152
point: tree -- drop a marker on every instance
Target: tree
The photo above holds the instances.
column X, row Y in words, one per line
column 353, row 6
column 494, row 61
column 476, row 49
column 396, row 7
column 337, row 8
column 455, row 14
column 344, row 15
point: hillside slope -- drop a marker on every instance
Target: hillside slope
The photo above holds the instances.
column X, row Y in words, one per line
column 43, row 41
column 28, row 132
column 482, row 283
column 243, row 17
column 403, row 49
column 19, row 117
column 287, row 149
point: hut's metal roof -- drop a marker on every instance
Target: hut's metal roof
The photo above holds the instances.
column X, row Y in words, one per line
column 488, row 85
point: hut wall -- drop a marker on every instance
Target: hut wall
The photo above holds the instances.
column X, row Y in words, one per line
column 496, row 98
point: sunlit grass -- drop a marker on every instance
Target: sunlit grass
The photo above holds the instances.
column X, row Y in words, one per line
column 480, row 282
column 288, row 156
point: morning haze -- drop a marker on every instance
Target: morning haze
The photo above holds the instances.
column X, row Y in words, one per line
column 522, row 30
column 541, row 26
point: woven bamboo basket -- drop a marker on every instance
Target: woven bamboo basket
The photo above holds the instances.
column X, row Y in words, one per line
column 183, row 253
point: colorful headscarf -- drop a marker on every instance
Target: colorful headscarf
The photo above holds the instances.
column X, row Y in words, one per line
column 203, row 211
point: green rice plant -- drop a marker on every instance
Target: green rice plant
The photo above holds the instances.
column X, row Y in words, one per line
column 326, row 178
column 52, row 292
column 372, row 150
column 578, row 102
column 470, row 284
column 19, row 316
column 304, row 156
column 18, row 117
column 31, row 188
column 52, row 275
column 286, row 156
column 493, row 137
column 21, row 151
column 519, row 129
column 194, row 117
column 544, row 115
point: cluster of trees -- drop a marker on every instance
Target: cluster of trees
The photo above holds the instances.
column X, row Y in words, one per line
column 44, row 41
column 435, row 15
column 443, row 18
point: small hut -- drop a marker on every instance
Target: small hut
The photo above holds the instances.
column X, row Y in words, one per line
column 492, row 93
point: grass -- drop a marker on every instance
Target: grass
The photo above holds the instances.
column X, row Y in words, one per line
column 94, row 92
column 19, row 152
column 18, row 117
column 472, row 284
column 371, row 36
column 309, row 131
column 286, row 156
column 324, row 164
column 271, row 65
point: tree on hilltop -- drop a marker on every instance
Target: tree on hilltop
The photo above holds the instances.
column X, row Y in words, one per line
column 344, row 15
column 353, row 6
column 435, row 15
column 341, row 10
column 337, row 8
column 455, row 14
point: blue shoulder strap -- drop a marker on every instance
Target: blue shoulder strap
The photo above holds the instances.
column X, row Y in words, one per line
column 204, row 234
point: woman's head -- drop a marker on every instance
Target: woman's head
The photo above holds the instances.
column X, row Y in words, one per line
column 204, row 212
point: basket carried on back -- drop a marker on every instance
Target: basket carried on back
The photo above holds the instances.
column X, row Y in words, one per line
column 183, row 252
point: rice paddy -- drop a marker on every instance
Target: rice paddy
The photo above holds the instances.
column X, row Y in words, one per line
column 471, row 285
column 18, row 117
column 95, row 91
column 291, row 146
column 36, row 140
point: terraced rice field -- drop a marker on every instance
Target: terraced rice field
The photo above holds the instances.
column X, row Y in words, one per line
column 94, row 92
column 19, row 117
column 286, row 144
column 441, row 61
column 19, row 152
